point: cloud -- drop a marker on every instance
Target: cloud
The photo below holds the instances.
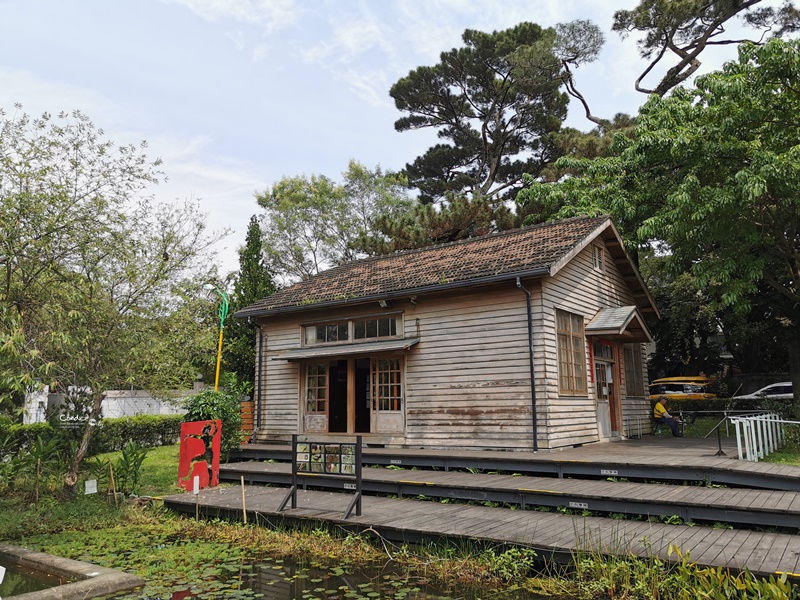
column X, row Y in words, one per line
column 37, row 95
column 224, row 188
column 238, row 39
column 260, row 52
column 358, row 49
column 270, row 14
column 368, row 46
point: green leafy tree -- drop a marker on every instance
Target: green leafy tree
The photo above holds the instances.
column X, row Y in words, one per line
column 495, row 101
column 374, row 197
column 576, row 43
column 757, row 340
column 688, row 333
column 313, row 223
column 90, row 268
column 715, row 173
column 302, row 217
column 252, row 283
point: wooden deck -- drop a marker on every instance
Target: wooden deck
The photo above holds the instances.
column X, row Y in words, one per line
column 750, row 507
column 666, row 459
column 586, row 478
column 549, row 533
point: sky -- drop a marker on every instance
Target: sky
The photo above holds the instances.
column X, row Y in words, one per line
column 233, row 95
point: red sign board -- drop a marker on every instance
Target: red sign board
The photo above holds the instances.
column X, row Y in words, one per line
column 199, row 454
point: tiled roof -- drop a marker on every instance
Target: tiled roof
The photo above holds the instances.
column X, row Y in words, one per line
column 458, row 264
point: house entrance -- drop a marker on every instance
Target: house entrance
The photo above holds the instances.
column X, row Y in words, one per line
column 608, row 408
column 337, row 414
column 354, row 395
column 341, row 408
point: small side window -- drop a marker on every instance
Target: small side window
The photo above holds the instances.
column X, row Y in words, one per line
column 598, row 258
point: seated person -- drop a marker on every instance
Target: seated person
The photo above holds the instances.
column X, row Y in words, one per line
column 660, row 415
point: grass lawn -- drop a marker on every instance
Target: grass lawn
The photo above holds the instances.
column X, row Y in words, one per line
column 20, row 515
column 159, row 470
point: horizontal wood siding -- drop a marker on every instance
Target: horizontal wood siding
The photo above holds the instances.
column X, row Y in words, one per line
column 280, row 403
column 468, row 380
column 577, row 288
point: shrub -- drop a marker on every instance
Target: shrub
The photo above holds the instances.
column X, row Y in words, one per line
column 223, row 405
column 145, row 430
column 14, row 438
column 126, row 469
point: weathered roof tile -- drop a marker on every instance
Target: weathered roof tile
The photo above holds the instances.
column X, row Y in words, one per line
column 525, row 250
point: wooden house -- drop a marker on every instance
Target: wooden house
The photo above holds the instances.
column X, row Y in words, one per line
column 522, row 340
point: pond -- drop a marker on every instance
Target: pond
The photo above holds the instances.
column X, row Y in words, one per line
column 286, row 580
column 39, row 575
column 16, row 580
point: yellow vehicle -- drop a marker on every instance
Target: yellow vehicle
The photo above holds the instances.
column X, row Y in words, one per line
column 697, row 387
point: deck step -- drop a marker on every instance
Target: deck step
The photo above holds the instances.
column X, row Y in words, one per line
column 740, row 506
column 553, row 534
column 677, row 460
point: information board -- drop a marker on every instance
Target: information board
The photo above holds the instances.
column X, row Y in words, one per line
column 318, row 460
column 334, row 459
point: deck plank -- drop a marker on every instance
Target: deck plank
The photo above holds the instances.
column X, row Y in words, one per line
column 552, row 531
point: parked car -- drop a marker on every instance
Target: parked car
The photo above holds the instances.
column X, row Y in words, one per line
column 692, row 387
column 774, row 391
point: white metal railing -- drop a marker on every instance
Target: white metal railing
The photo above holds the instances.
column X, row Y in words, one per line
column 758, row 435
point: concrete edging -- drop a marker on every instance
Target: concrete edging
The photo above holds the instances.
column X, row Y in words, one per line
column 91, row 580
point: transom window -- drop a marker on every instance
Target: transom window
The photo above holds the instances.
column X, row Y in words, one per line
column 328, row 332
column 375, row 328
column 355, row 329
column 571, row 353
column 603, row 350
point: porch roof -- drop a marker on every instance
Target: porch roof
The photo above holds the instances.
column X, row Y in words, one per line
column 622, row 323
column 346, row 349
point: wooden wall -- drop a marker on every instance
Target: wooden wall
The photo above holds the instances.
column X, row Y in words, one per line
column 580, row 289
column 280, row 381
column 467, row 382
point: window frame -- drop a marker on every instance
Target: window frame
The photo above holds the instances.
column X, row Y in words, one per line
column 307, row 379
column 571, row 353
column 599, row 257
column 634, row 371
column 387, row 379
column 306, row 328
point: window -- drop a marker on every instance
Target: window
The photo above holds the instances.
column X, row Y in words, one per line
column 571, row 353
column 598, row 257
column 603, row 350
column 357, row 329
column 316, row 388
column 387, row 392
column 375, row 328
column 327, row 332
column 634, row 378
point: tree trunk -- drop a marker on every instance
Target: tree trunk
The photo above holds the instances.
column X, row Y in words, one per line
column 71, row 478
